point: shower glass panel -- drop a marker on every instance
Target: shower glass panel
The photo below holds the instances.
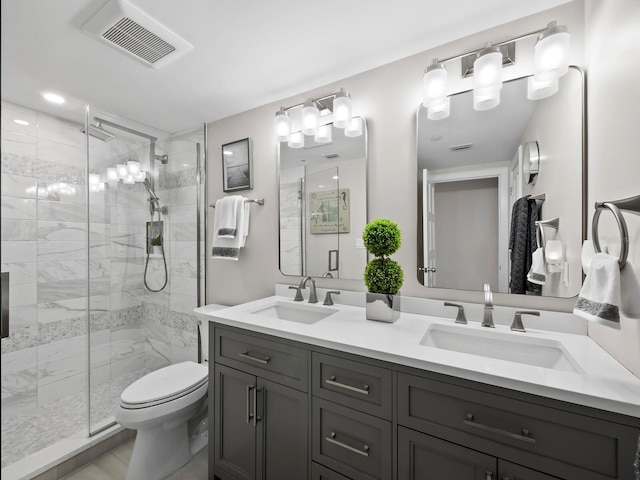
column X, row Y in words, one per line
column 82, row 323
column 143, row 220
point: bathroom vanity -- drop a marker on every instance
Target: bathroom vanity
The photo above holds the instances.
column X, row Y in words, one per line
column 307, row 391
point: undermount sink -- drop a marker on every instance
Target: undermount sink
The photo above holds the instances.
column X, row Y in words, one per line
column 294, row 312
column 539, row 352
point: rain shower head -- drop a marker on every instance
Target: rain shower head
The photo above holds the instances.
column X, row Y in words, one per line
column 98, row 132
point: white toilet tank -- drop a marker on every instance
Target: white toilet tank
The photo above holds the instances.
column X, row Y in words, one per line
column 203, row 326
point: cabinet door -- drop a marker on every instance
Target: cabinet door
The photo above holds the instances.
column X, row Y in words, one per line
column 511, row 471
column 235, row 439
column 422, row 457
column 283, row 415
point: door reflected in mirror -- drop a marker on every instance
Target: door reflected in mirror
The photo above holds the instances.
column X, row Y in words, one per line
column 323, row 206
column 471, row 174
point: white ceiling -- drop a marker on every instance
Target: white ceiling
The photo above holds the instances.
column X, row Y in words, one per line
column 246, row 53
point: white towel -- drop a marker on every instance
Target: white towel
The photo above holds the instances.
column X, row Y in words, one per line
column 587, row 255
column 536, row 272
column 226, row 248
column 227, row 211
column 599, row 298
column 629, row 292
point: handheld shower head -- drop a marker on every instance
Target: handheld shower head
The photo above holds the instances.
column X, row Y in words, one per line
column 149, row 188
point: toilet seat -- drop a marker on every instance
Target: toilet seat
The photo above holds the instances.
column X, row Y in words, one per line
column 164, row 385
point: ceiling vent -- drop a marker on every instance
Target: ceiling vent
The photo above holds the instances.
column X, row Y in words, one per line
column 129, row 29
column 462, row 146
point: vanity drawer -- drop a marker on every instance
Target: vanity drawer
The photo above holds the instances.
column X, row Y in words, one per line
column 279, row 362
column 352, row 443
column 354, row 384
column 318, row 472
column 554, row 441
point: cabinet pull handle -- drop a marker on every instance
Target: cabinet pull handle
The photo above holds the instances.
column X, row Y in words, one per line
column 332, row 381
column 332, row 439
column 256, row 418
column 249, row 414
column 524, row 438
column 246, row 356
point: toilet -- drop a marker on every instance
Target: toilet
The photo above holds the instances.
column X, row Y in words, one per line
column 168, row 408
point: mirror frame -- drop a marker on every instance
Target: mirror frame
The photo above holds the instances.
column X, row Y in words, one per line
column 421, row 201
column 365, row 135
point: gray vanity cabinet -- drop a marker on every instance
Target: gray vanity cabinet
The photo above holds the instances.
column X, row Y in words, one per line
column 260, row 426
column 290, row 410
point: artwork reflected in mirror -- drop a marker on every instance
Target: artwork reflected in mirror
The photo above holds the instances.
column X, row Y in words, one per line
column 323, row 207
column 478, row 171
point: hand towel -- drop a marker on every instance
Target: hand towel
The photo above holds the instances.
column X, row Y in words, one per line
column 227, row 210
column 587, row 255
column 629, row 292
column 522, row 243
column 537, row 272
column 226, row 248
column 599, row 298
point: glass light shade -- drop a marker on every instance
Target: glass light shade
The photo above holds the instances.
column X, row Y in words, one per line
column 140, row 176
column 123, row 171
column 310, row 118
column 112, row 174
column 282, row 123
column 296, row 140
column 94, row 178
column 128, row 180
column 551, row 53
column 437, row 110
column 134, row 167
column 355, row 128
column 434, row 84
column 342, row 109
column 324, row 134
column 537, row 90
column 487, row 70
column 486, row 98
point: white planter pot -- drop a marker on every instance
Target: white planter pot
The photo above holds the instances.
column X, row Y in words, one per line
column 381, row 307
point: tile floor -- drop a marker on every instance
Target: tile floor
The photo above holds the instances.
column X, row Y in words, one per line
column 113, row 466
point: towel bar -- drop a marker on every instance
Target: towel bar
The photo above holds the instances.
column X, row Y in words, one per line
column 259, row 201
column 631, row 204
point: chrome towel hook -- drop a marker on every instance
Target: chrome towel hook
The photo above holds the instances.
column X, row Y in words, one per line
column 631, row 204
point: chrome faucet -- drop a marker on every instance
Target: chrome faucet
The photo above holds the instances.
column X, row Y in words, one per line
column 313, row 296
column 487, row 321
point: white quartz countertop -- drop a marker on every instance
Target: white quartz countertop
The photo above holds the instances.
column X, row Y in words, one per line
column 604, row 384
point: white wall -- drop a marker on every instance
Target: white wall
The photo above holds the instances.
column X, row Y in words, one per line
column 613, row 46
column 388, row 97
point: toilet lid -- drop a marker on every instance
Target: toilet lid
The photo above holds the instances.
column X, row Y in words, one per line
column 166, row 383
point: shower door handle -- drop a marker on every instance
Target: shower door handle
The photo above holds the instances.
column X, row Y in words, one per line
column 4, row 327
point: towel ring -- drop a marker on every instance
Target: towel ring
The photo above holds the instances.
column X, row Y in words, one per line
column 622, row 226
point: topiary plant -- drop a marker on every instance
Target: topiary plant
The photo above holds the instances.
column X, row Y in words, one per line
column 381, row 239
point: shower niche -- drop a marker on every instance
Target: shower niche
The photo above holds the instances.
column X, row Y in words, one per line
column 155, row 239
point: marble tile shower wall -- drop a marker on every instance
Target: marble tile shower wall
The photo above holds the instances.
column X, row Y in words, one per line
column 44, row 249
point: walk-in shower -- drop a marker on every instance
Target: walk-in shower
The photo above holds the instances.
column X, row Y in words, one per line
column 93, row 308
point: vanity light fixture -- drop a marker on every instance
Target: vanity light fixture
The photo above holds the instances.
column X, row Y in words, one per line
column 324, row 134
column 316, row 113
column 435, row 91
column 310, row 118
column 342, row 109
column 283, row 125
column 355, row 128
column 487, row 78
column 551, row 61
column 296, row 140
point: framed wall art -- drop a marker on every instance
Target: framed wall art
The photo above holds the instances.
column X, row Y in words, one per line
column 237, row 168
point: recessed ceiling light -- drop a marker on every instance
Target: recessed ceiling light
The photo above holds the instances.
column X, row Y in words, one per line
column 53, row 97
column 185, row 164
column 335, row 177
column 320, row 186
column 227, row 152
column 24, row 123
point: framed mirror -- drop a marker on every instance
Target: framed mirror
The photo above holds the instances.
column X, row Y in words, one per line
column 476, row 167
column 323, row 206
